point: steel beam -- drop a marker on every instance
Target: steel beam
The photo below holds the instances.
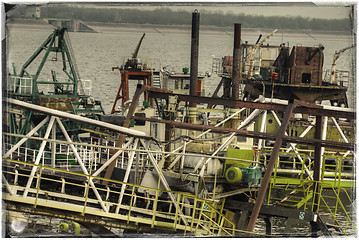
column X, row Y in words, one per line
column 304, row 108
column 53, row 148
column 8, row 187
column 267, row 211
column 83, row 168
column 200, row 135
column 317, row 161
column 249, row 119
column 270, row 166
column 113, row 158
column 252, row 134
column 131, row 111
column 38, row 157
column 127, row 174
column 76, row 118
column 163, row 180
column 32, row 132
column 292, row 146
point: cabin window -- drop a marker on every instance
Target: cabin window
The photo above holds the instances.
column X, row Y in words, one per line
column 306, row 77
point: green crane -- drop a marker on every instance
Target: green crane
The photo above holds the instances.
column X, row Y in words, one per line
column 58, row 42
column 66, row 94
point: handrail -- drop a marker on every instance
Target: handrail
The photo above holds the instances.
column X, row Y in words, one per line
column 197, row 219
column 307, row 188
column 126, row 149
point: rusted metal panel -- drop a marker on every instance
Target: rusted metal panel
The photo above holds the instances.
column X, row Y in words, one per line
column 306, row 64
column 155, row 89
column 123, row 91
column 58, row 103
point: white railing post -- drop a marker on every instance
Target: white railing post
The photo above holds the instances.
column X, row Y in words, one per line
column 127, row 174
column 113, row 158
column 17, row 145
column 38, row 157
column 81, row 164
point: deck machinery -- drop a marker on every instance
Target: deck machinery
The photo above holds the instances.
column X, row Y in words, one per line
column 280, row 73
column 207, row 185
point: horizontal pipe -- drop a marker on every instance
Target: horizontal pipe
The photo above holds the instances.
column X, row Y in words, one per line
column 325, row 107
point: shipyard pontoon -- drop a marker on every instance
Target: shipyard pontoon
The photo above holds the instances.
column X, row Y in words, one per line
column 200, row 178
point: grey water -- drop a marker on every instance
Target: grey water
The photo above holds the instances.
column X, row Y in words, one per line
column 97, row 53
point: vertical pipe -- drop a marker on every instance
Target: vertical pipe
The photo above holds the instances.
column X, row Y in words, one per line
column 236, row 71
column 192, row 110
column 194, row 55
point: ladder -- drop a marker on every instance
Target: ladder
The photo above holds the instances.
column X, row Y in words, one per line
column 157, row 79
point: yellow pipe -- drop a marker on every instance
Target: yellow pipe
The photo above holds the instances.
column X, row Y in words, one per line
column 77, row 227
column 64, row 227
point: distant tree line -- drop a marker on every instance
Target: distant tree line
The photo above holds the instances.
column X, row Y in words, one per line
column 166, row 16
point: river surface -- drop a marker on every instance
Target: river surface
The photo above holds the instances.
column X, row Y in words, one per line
column 97, row 53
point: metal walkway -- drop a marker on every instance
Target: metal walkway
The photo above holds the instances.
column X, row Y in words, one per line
column 39, row 180
column 72, row 193
column 62, row 178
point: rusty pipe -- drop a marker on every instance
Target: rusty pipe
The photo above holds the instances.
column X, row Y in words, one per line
column 236, row 72
column 194, row 55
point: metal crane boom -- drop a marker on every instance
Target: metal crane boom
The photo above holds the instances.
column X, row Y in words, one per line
column 254, row 50
column 135, row 53
column 337, row 54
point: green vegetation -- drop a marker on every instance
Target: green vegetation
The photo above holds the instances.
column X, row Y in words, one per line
column 166, row 16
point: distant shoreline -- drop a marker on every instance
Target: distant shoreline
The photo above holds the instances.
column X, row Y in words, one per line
column 39, row 24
